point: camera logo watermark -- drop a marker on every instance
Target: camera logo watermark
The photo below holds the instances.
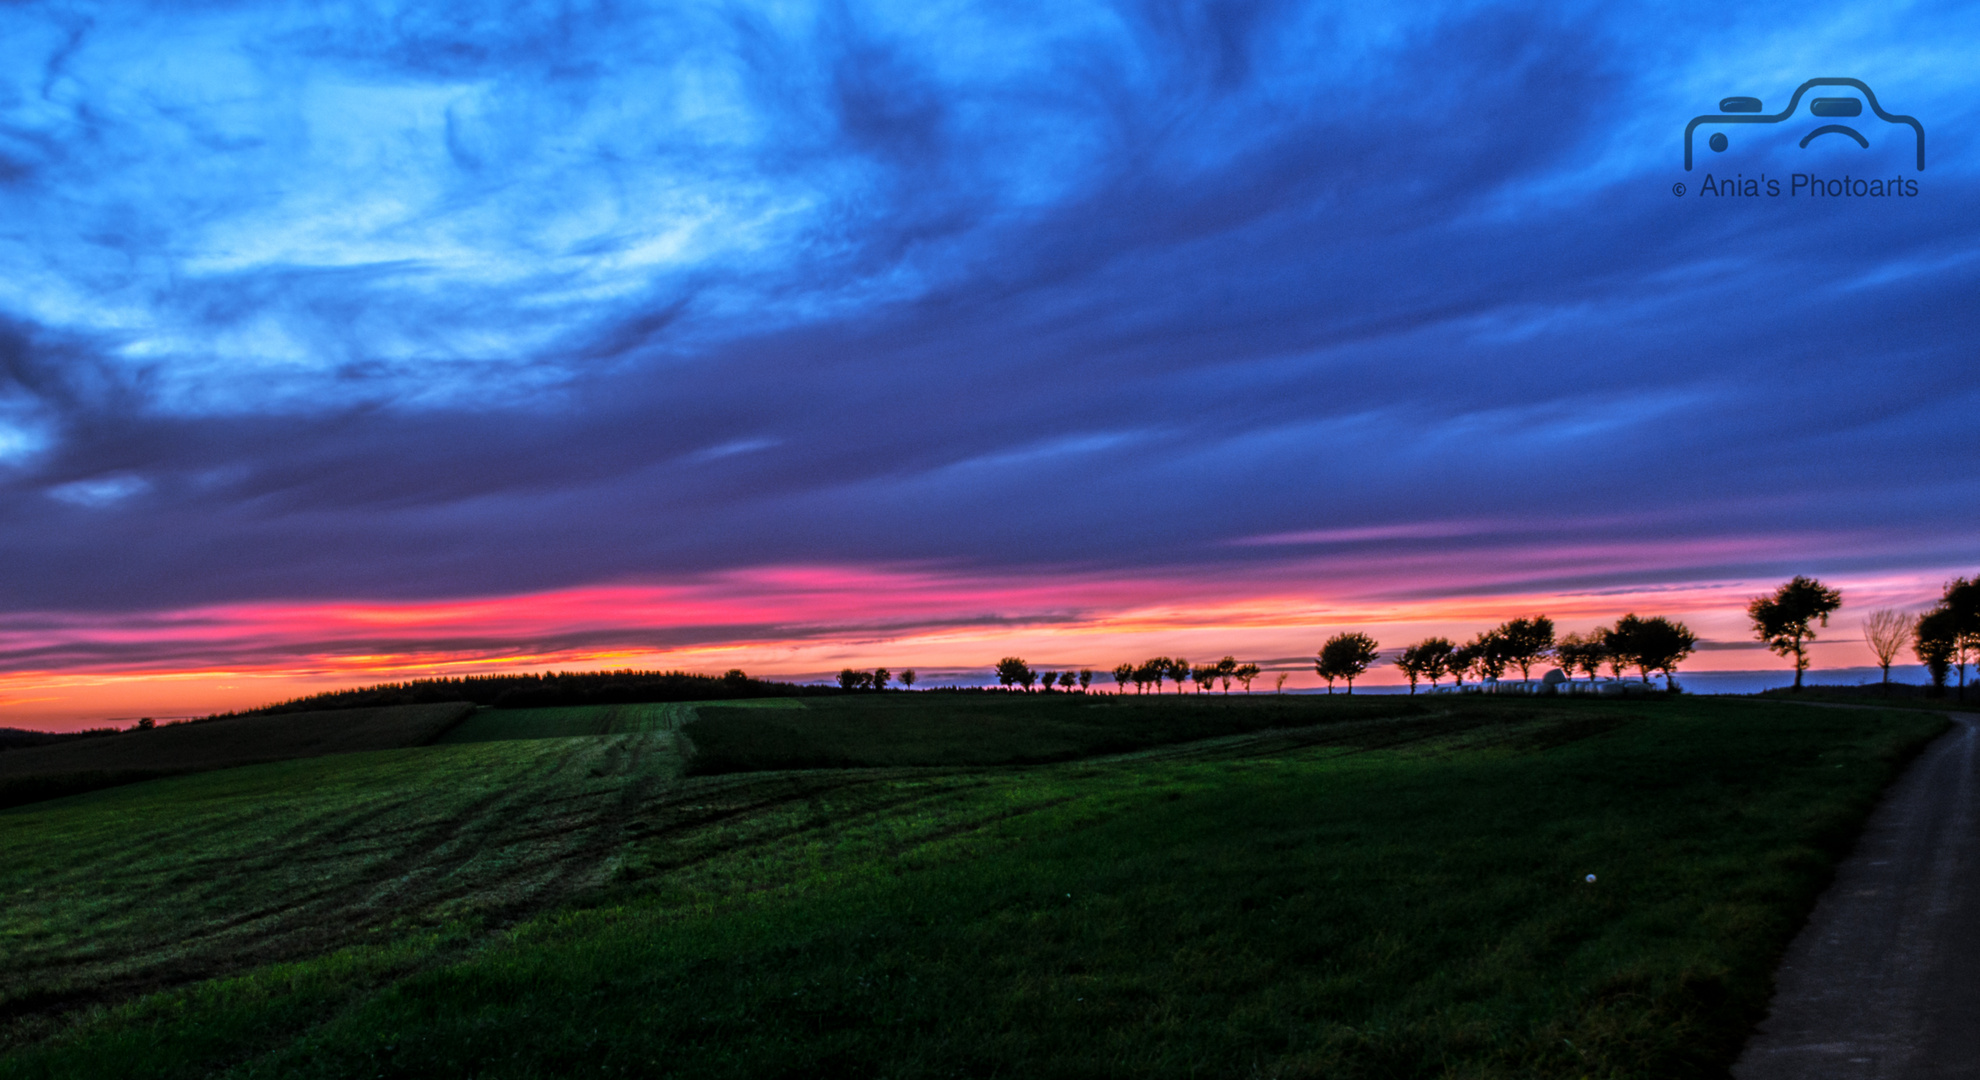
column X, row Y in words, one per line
column 1827, row 115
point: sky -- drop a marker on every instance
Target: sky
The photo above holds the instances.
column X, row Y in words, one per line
column 344, row 343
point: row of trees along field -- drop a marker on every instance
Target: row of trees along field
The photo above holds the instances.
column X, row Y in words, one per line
column 1652, row 644
column 1014, row 671
column 877, row 679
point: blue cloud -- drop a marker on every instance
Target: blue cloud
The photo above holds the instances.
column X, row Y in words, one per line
column 394, row 301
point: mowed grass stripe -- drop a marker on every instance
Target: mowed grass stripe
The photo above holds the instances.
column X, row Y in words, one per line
column 1324, row 910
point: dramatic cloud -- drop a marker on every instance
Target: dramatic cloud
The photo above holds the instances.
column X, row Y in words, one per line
column 303, row 307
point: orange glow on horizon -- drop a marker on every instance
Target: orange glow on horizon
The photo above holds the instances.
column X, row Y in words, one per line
column 803, row 622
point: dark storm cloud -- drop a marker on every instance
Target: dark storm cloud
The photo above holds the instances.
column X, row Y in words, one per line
column 643, row 294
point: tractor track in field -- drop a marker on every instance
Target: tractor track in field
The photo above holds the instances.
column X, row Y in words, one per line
column 569, row 840
column 563, row 832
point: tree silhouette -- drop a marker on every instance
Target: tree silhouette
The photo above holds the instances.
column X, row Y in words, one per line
column 1525, row 642
column 1123, row 675
column 1047, row 680
column 1488, row 651
column 1934, row 642
column 1786, row 620
column 1345, row 656
column 1085, row 679
column 1464, row 661
column 1948, row 636
column 1012, row 670
column 881, row 677
column 1203, row 675
column 1154, row 670
column 1887, row 632
column 1430, row 658
column 908, row 678
column 1279, row 686
column 1653, row 644
column 849, row 679
column 1244, row 674
column 1578, row 653
column 1226, row 670
column 1179, row 670
column 1410, row 662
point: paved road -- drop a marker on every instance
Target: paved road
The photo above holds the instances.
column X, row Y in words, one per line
column 1884, row 981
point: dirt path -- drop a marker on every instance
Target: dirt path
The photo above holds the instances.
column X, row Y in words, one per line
column 1884, row 981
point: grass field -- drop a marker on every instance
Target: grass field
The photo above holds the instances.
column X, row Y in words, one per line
column 1371, row 892
column 996, row 729
column 69, row 767
column 498, row 725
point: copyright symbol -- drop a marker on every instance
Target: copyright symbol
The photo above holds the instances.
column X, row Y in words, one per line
column 1677, row 189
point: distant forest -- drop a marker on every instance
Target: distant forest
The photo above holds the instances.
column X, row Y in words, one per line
column 536, row 691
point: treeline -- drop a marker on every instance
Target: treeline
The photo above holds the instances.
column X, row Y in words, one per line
column 1013, row 671
column 1647, row 644
column 535, row 691
column 21, row 739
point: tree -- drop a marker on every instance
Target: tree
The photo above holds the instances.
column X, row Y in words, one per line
column 908, row 678
column 1934, row 641
column 1525, row 642
column 1047, row 680
column 1085, row 679
column 1962, row 598
column 1345, row 656
column 1123, row 675
column 1410, row 660
column 1887, row 632
column 1606, row 636
column 1012, row 670
column 1583, row 654
column 1179, row 670
column 1245, row 673
column 1948, row 637
column 850, row 679
column 1654, row 644
column 1464, row 661
column 881, row 677
column 1154, row 670
column 1280, row 686
column 1026, row 678
column 1489, row 651
column 1786, row 620
column 1226, row 668
column 1067, row 680
column 1434, row 657
column 1204, row 675
column 734, row 678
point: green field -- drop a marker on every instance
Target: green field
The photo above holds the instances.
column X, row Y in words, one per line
column 1302, row 887
column 499, row 725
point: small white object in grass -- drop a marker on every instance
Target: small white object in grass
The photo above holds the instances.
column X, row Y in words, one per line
column 1591, row 879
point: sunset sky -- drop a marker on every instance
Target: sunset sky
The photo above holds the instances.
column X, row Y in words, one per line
column 350, row 343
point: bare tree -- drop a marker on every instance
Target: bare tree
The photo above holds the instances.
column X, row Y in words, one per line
column 1280, row 686
column 1887, row 632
